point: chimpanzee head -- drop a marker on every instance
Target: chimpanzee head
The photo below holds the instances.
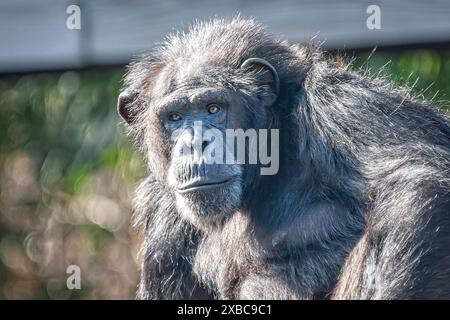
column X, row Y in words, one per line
column 184, row 100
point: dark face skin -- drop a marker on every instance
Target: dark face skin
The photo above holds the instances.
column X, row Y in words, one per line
column 203, row 190
column 176, row 117
column 180, row 113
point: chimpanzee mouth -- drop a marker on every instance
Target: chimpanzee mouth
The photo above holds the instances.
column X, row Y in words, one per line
column 202, row 185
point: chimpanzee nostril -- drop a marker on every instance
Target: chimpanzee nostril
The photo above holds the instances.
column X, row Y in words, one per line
column 204, row 144
column 192, row 143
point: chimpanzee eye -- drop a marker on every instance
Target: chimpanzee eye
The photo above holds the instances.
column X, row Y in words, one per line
column 174, row 117
column 213, row 108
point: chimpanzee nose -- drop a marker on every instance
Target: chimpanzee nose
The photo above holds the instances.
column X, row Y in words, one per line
column 194, row 144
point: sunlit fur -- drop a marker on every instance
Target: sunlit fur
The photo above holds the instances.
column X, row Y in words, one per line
column 360, row 208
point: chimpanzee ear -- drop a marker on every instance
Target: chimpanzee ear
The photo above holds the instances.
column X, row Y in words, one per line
column 269, row 97
column 124, row 103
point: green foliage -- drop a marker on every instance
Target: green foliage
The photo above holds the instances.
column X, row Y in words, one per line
column 427, row 72
column 67, row 167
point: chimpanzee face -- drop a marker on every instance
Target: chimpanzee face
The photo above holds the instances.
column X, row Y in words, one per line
column 191, row 127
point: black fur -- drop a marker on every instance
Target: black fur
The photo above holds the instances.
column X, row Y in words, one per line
column 360, row 208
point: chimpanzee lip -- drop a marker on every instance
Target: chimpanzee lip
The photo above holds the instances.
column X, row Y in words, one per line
column 201, row 185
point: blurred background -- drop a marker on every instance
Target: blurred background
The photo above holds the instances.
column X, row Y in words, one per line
column 67, row 170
